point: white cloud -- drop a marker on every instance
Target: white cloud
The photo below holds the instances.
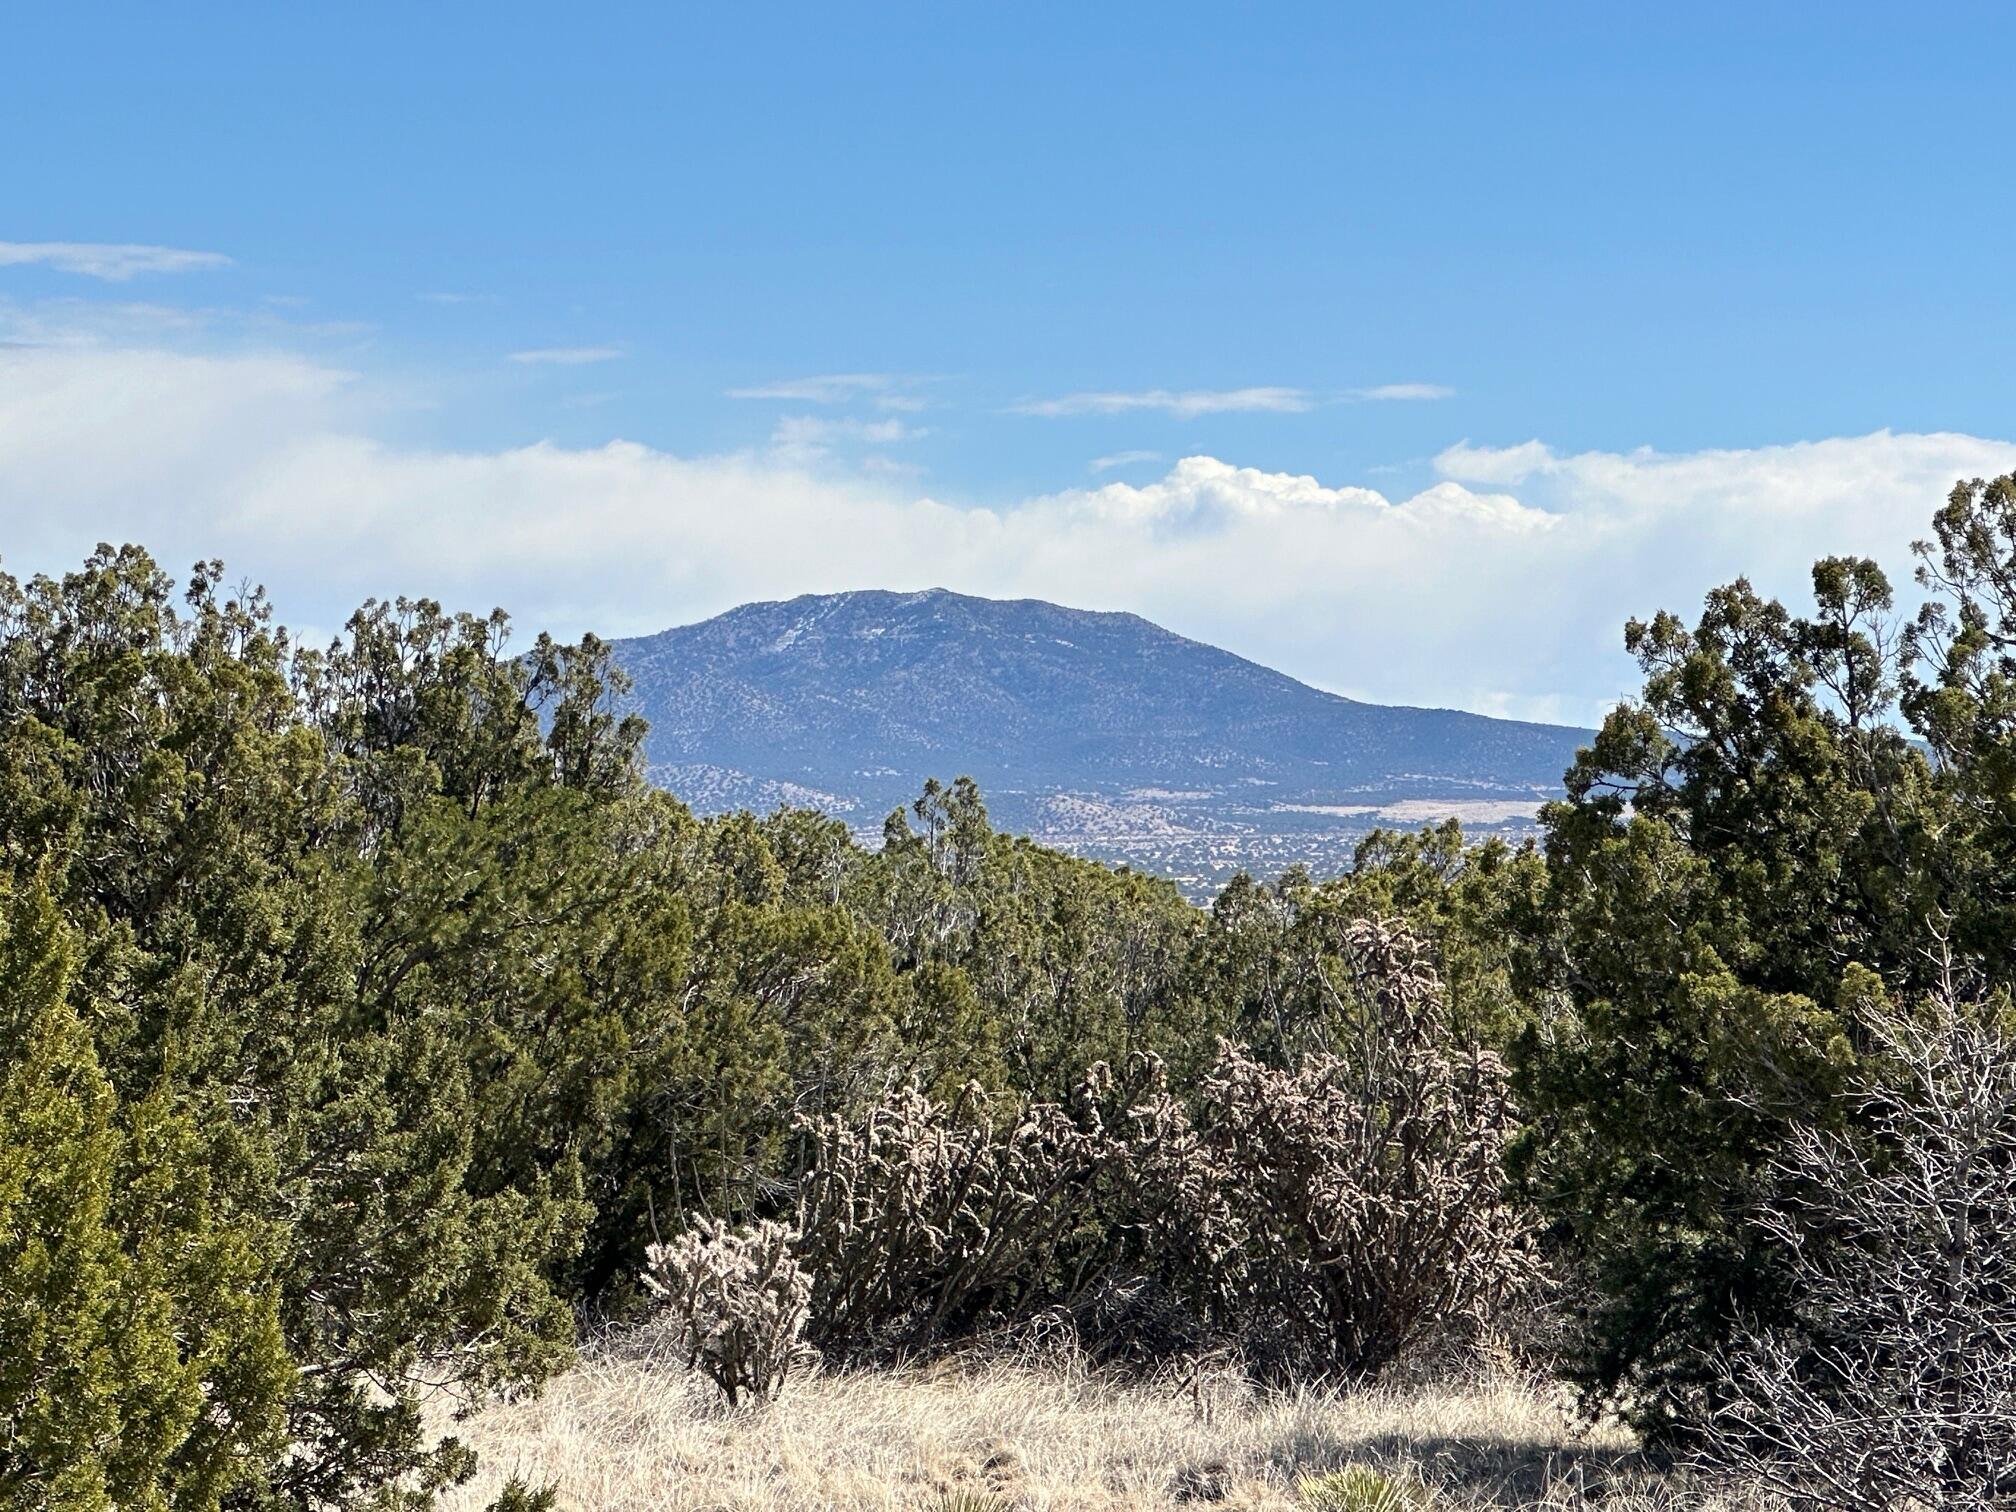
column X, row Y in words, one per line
column 140, row 324
column 82, row 322
column 113, row 261
column 1503, row 586
column 579, row 356
column 1392, row 391
column 1777, row 505
column 1485, row 464
column 1122, row 459
column 1186, row 404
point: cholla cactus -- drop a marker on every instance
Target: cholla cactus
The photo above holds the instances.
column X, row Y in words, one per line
column 738, row 1298
column 1334, row 1213
column 927, row 1214
column 1325, row 1216
column 1178, row 1200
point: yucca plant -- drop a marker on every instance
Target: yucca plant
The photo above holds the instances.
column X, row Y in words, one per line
column 965, row 1499
column 1362, row 1488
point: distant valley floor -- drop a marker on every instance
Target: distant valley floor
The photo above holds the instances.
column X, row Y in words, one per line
column 1198, row 838
column 1202, row 862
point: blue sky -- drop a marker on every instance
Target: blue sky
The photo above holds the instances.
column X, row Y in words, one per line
column 761, row 300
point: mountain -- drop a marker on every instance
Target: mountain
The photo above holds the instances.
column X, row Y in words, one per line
column 1102, row 733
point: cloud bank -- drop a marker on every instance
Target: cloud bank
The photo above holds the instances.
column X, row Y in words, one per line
column 1501, row 586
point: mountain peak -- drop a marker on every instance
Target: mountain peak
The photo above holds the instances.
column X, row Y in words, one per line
column 1096, row 730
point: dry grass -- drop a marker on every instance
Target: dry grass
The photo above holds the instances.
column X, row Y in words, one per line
column 629, row 1430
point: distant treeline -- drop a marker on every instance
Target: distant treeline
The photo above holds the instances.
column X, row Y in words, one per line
column 365, row 1016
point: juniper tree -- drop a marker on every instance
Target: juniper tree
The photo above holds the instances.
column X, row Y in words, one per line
column 1746, row 852
column 376, row 929
column 141, row 1363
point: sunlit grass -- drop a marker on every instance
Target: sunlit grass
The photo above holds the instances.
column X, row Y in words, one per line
column 628, row 1429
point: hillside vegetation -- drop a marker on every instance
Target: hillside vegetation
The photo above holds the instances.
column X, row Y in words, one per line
column 371, row 1031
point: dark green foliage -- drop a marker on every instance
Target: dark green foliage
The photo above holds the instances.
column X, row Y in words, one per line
column 519, row 1497
column 396, row 1014
column 1074, row 962
column 1731, row 850
column 141, row 1363
column 1270, row 969
column 1748, row 858
column 354, row 983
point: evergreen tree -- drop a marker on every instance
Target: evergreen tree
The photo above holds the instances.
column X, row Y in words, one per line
column 1746, row 855
column 141, row 1364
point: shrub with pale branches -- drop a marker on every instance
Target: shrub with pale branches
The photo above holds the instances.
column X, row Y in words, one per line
column 1898, row 1386
column 737, row 1299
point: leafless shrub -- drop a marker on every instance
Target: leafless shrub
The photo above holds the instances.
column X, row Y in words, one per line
column 1899, row 1387
column 1334, row 1213
column 737, row 1299
column 926, row 1215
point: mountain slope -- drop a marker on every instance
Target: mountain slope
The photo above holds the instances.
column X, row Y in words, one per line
column 1100, row 731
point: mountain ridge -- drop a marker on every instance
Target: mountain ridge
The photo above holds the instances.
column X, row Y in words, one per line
column 1095, row 729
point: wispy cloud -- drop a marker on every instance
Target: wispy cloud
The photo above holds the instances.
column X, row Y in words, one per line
column 1123, row 459
column 579, row 356
column 113, row 261
column 1385, row 391
column 819, row 428
column 827, row 388
column 1188, row 404
column 1184, row 404
column 452, row 297
column 886, row 391
column 1495, row 464
column 75, row 320
column 72, row 321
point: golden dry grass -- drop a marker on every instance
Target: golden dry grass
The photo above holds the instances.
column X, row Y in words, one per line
column 628, row 1430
